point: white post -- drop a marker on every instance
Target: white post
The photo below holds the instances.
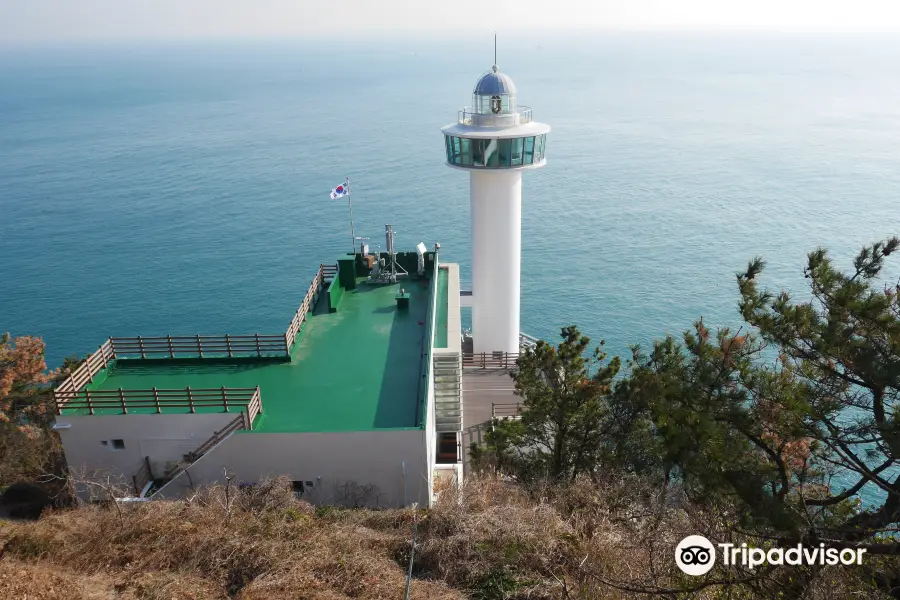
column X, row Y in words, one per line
column 352, row 234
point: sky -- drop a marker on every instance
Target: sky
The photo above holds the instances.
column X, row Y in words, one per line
column 50, row 21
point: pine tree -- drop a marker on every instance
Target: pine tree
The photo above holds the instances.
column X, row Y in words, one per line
column 565, row 413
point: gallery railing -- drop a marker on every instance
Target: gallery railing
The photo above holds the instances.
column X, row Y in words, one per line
column 490, row 360
column 200, row 346
column 158, row 401
column 85, row 373
column 505, row 410
column 309, row 302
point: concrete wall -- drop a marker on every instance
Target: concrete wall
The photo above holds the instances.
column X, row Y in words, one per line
column 330, row 460
column 164, row 438
column 454, row 314
column 335, row 293
column 430, row 433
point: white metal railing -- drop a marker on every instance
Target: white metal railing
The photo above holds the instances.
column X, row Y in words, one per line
column 470, row 116
column 527, row 341
column 430, row 324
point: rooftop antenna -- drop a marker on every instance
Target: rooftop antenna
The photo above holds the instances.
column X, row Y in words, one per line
column 495, row 47
column 389, row 270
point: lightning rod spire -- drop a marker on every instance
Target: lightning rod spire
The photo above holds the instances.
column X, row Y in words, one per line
column 495, row 47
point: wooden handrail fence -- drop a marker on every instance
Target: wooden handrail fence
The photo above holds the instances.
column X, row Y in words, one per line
column 505, row 410
column 177, row 346
column 160, row 399
column 85, row 373
column 490, row 360
column 309, row 302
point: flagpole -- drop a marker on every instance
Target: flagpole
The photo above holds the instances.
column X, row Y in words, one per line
column 352, row 234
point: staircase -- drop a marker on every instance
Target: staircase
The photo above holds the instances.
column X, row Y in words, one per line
column 329, row 272
column 448, row 393
column 239, row 422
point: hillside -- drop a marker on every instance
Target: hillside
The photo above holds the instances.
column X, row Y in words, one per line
column 490, row 541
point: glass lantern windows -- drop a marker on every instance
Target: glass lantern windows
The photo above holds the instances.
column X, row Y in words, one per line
column 503, row 152
column 465, row 152
column 517, row 144
column 496, row 153
column 493, row 153
column 529, row 150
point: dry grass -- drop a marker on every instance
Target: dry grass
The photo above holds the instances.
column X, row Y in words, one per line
column 491, row 540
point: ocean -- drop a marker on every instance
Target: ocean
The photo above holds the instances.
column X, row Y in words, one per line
column 182, row 187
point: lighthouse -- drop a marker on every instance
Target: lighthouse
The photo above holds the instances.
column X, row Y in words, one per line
column 495, row 140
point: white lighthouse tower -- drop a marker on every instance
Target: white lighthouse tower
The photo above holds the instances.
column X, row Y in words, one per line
column 495, row 140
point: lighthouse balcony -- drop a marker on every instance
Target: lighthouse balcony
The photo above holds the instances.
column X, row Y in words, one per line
column 472, row 117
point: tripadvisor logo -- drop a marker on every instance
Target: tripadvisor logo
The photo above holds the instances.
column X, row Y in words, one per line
column 696, row 555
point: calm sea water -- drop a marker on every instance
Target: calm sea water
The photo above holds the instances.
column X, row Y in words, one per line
column 183, row 188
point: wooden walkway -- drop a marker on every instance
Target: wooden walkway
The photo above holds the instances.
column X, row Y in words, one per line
column 480, row 389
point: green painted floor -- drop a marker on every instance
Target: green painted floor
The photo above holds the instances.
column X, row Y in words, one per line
column 440, row 325
column 356, row 369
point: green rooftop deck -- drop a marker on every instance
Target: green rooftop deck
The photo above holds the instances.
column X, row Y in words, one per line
column 356, row 369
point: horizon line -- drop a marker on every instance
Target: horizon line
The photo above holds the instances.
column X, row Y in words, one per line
column 438, row 34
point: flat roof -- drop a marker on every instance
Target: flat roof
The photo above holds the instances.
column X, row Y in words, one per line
column 356, row 369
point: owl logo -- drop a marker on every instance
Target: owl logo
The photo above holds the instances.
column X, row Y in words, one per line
column 695, row 555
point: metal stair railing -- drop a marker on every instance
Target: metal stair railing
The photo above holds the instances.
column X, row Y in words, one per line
column 447, row 393
column 244, row 421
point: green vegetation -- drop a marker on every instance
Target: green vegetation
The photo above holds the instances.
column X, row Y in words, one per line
column 28, row 448
column 775, row 427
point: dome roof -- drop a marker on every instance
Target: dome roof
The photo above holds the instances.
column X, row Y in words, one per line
column 495, row 83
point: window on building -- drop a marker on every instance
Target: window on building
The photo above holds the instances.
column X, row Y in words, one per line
column 309, row 485
column 529, row 150
column 492, row 153
column 118, row 444
column 449, row 144
column 465, row 152
column 478, row 152
column 517, row 151
column 503, row 151
column 104, row 442
column 297, row 486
